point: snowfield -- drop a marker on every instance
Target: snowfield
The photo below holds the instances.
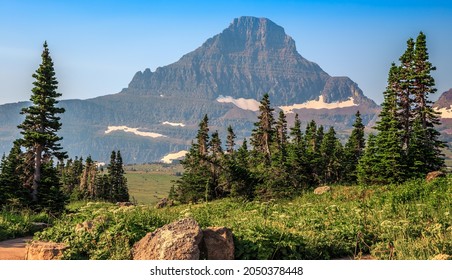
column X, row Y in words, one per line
column 320, row 104
column 134, row 131
column 172, row 156
column 242, row 103
column 174, row 124
column 446, row 113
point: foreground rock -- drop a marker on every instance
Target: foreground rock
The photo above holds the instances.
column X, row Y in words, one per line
column 322, row 190
column 434, row 175
column 176, row 241
column 39, row 250
column 218, row 244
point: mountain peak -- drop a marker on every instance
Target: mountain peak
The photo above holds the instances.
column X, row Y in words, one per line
column 251, row 33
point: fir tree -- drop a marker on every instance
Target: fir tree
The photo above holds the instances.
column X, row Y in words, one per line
column 11, row 188
column 354, row 149
column 41, row 124
column 423, row 86
column 230, row 141
column 263, row 133
column 331, row 157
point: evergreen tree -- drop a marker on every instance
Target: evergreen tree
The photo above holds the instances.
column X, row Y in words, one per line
column 41, row 124
column 423, row 86
column 194, row 185
column 203, row 137
column 11, row 188
column 403, row 86
column 331, row 152
column 367, row 164
column 230, row 141
column 297, row 160
column 118, row 182
column 388, row 160
column 354, row 149
column 216, row 190
column 263, row 133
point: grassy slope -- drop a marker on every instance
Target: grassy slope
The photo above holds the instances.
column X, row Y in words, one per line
column 150, row 182
column 410, row 221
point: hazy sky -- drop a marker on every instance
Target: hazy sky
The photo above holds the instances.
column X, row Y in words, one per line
column 97, row 46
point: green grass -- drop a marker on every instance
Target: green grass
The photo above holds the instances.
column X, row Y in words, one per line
column 19, row 223
column 408, row 221
column 149, row 183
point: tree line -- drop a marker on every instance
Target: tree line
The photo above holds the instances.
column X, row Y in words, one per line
column 34, row 174
column 283, row 162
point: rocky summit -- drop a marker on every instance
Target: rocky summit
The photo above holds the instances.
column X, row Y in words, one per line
column 156, row 117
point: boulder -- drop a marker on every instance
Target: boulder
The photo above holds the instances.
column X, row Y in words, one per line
column 164, row 202
column 322, row 190
column 217, row 244
column 434, row 174
column 176, row 241
column 38, row 250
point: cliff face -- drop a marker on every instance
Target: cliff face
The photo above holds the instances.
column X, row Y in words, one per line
column 444, row 101
column 251, row 57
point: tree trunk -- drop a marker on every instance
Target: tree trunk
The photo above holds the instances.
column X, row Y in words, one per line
column 37, row 172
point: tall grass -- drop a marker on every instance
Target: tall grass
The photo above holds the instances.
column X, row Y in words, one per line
column 408, row 221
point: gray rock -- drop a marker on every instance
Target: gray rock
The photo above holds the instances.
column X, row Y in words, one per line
column 176, row 241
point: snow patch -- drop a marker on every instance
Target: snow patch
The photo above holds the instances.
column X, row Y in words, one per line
column 446, row 113
column 174, row 124
column 134, row 131
column 242, row 103
column 320, row 104
column 172, row 156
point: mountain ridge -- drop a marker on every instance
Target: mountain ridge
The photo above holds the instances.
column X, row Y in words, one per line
column 251, row 57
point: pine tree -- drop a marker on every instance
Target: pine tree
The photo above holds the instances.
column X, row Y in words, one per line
column 118, row 180
column 423, row 86
column 216, row 190
column 11, row 188
column 203, row 137
column 367, row 164
column 403, row 87
column 331, row 157
column 354, row 149
column 41, row 124
column 297, row 159
column 263, row 133
column 230, row 141
column 194, row 185
column 388, row 159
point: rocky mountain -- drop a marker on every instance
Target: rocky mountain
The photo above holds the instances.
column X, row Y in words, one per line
column 444, row 106
column 158, row 113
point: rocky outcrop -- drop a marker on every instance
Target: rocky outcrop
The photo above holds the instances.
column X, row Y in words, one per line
column 38, row 250
column 164, row 202
column 444, row 101
column 176, row 241
column 184, row 240
column 322, row 190
column 218, row 244
column 434, row 175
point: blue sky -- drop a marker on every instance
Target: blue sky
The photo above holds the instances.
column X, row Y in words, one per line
column 97, row 46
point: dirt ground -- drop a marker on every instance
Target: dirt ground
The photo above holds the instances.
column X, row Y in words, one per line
column 14, row 249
